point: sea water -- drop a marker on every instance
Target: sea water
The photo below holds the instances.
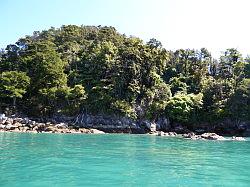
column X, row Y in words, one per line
column 120, row 160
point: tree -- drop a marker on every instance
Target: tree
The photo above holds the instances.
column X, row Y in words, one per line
column 157, row 98
column 13, row 84
column 215, row 96
column 181, row 107
column 177, row 85
column 46, row 71
column 97, row 70
column 227, row 62
column 238, row 104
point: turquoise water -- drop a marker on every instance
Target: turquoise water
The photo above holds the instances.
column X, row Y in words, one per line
column 120, row 160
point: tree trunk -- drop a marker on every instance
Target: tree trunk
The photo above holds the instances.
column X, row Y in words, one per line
column 14, row 102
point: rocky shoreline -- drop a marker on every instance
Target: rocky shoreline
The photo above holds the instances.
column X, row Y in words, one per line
column 26, row 125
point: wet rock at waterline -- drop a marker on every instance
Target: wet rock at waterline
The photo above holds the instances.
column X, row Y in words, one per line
column 30, row 126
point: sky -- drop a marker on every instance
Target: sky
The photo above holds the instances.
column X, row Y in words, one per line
column 214, row 24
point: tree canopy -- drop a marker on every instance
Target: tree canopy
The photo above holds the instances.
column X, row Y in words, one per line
column 97, row 70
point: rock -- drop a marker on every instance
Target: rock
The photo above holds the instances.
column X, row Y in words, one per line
column 35, row 128
column 152, row 127
column 153, row 133
column 9, row 121
column 163, row 124
column 196, row 137
column 212, row 136
column 41, row 126
column 72, row 131
column 85, row 131
column 172, row 133
column 161, row 133
column 15, row 130
column 192, row 136
column 180, row 129
column 235, row 138
column 3, row 118
column 95, row 131
column 148, row 126
column 17, row 120
column 2, row 126
column 23, row 129
column 48, row 124
column 64, row 131
column 25, row 121
column 10, row 127
column 51, row 128
column 61, row 126
column 18, row 124
column 188, row 135
column 133, row 125
column 199, row 131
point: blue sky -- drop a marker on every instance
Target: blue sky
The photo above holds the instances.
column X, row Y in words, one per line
column 215, row 24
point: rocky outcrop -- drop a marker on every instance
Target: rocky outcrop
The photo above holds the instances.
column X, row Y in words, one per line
column 161, row 133
column 13, row 124
column 110, row 124
column 212, row 136
column 89, row 124
column 204, row 136
column 163, row 124
column 192, row 136
column 226, row 127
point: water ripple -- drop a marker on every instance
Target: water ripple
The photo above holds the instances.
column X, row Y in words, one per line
column 124, row 160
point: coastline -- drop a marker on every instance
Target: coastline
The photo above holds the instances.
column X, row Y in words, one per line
column 25, row 125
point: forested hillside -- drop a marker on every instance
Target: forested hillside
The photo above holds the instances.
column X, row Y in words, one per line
column 97, row 70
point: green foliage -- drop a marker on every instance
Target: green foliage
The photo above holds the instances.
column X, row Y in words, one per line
column 100, row 71
column 13, row 84
column 216, row 94
column 181, row 106
column 177, row 85
column 157, row 99
column 124, row 108
column 238, row 104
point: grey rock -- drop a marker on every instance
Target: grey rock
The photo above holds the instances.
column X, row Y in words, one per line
column 2, row 126
column 212, row 136
column 61, row 126
column 3, row 118
column 163, row 124
column 95, row 131
column 235, row 138
column 10, row 127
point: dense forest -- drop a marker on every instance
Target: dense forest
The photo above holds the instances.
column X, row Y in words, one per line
column 96, row 70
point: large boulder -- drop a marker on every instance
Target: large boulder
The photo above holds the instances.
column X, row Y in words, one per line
column 95, row 131
column 212, row 136
column 161, row 133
